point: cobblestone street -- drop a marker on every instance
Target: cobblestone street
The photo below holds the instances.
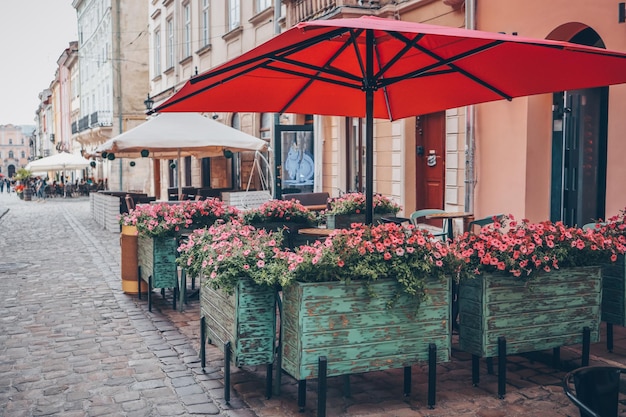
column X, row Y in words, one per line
column 73, row 344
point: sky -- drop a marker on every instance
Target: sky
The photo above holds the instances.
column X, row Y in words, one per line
column 34, row 34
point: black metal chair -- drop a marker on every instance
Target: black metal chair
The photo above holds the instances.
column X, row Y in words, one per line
column 596, row 390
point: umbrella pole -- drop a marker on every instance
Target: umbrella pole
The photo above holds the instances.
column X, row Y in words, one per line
column 369, row 127
column 180, row 186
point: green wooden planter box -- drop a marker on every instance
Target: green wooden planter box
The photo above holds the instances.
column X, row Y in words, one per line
column 614, row 292
column 343, row 221
column 357, row 333
column 291, row 238
column 550, row 312
column 246, row 319
column 157, row 258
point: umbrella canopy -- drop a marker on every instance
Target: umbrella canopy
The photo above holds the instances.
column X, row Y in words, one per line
column 174, row 135
column 170, row 136
column 59, row 162
column 383, row 68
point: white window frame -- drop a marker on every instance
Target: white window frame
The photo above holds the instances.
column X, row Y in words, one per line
column 187, row 30
column 262, row 5
column 205, row 25
column 157, row 52
column 169, row 47
column 234, row 14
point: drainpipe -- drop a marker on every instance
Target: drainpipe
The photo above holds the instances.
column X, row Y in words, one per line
column 470, row 23
column 118, row 59
column 277, row 166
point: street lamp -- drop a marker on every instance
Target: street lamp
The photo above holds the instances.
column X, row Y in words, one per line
column 148, row 102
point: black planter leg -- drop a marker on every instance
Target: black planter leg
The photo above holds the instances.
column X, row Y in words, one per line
column 609, row 337
column 432, row 375
column 586, row 346
column 150, row 293
column 489, row 365
column 556, row 358
column 227, row 373
column 407, row 381
column 268, row 381
column 475, row 370
column 501, row 367
column 203, row 342
column 322, row 368
column 301, row 395
column 139, row 282
column 347, row 388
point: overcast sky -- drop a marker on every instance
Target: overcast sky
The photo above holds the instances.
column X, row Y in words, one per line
column 33, row 34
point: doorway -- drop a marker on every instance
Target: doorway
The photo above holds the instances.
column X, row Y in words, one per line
column 579, row 150
column 430, row 134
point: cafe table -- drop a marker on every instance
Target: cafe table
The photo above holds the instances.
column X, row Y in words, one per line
column 449, row 216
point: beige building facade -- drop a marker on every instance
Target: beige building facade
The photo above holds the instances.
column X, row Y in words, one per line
column 500, row 157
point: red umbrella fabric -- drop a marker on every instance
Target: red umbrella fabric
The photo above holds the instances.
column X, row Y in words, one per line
column 382, row 68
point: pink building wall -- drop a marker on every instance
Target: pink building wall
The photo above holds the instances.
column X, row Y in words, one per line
column 513, row 139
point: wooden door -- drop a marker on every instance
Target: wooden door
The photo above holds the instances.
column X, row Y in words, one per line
column 430, row 133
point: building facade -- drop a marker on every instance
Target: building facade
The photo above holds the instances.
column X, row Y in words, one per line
column 112, row 78
column 14, row 148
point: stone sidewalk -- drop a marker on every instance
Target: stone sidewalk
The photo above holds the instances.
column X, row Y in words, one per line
column 73, row 344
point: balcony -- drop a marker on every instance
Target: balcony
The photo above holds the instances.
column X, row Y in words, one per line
column 305, row 10
column 95, row 119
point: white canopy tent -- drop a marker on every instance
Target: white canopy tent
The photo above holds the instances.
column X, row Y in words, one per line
column 175, row 135
column 59, row 162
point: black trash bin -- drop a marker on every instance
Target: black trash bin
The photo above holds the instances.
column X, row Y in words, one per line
column 596, row 390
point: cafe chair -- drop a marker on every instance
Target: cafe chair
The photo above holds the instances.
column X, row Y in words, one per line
column 483, row 222
column 435, row 231
column 596, row 390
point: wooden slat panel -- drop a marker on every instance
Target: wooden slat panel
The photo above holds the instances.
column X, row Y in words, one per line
column 543, row 315
column 614, row 292
column 157, row 258
column 357, row 333
column 247, row 319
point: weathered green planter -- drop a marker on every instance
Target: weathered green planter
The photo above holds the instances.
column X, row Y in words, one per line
column 343, row 221
column 246, row 319
column 500, row 315
column 289, row 230
column 613, row 297
column 357, row 333
column 157, row 258
column 336, row 328
column 614, row 292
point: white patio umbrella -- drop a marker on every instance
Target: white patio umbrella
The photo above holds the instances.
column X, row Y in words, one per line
column 174, row 135
column 59, row 162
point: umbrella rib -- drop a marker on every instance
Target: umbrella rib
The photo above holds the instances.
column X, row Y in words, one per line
column 264, row 57
column 326, row 68
column 450, row 63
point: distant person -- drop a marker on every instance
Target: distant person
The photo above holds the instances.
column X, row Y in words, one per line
column 2, row 185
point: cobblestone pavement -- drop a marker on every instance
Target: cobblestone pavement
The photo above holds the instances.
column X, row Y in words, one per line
column 73, row 344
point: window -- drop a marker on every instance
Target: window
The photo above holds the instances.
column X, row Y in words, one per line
column 355, row 154
column 205, row 37
column 262, row 5
column 188, row 171
column 266, row 126
column 187, row 30
column 157, row 52
column 10, row 154
column 234, row 11
column 169, row 47
column 23, row 154
column 10, row 141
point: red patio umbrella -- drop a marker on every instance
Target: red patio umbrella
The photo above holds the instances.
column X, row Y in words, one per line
column 382, row 68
